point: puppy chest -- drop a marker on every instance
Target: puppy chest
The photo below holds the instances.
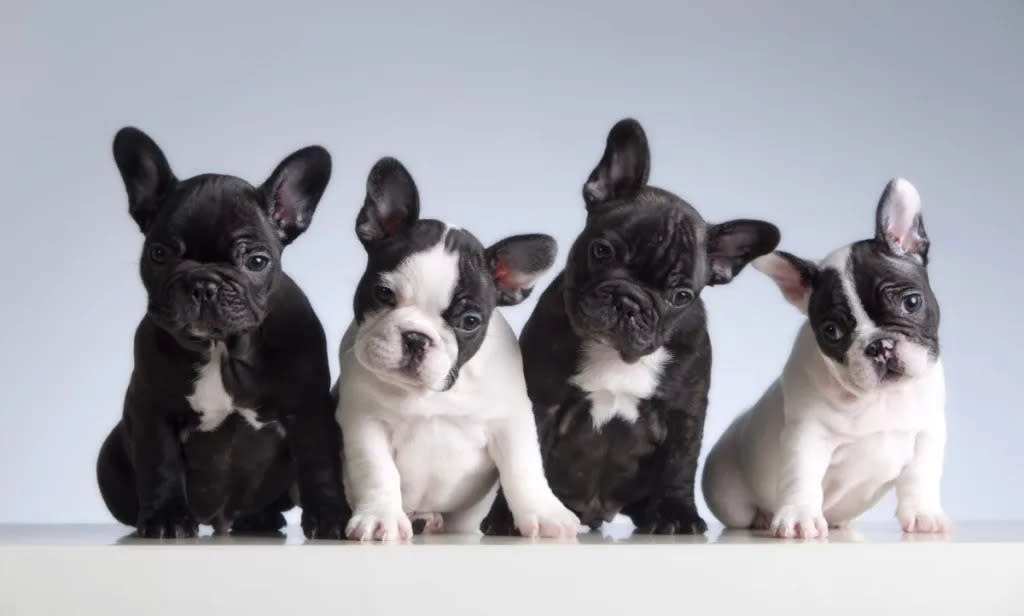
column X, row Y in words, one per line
column 443, row 463
column 210, row 400
column 614, row 387
column 873, row 459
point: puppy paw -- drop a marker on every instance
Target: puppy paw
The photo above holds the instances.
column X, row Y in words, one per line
column 799, row 522
column 499, row 523
column 379, row 523
column 325, row 520
column 923, row 521
column 427, row 523
column 549, row 519
column 169, row 522
column 672, row 517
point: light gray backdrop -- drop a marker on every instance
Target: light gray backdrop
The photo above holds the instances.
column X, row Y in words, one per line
column 797, row 112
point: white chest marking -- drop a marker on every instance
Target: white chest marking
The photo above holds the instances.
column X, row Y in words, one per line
column 209, row 398
column 614, row 387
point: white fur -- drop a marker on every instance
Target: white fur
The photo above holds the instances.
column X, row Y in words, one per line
column 821, row 446
column 614, row 387
column 423, row 286
column 209, row 398
column 417, row 451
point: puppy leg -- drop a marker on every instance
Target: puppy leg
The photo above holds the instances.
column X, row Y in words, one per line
column 919, row 508
column 468, row 521
column 499, row 520
column 806, row 451
column 536, row 510
column 373, row 483
column 117, row 479
column 725, row 489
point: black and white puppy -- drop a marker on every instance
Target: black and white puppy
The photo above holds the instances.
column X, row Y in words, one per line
column 617, row 353
column 860, row 405
column 229, row 400
column 431, row 399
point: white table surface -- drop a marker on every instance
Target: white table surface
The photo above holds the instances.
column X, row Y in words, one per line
column 869, row 569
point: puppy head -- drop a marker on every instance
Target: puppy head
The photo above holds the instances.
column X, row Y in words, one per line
column 211, row 256
column 636, row 272
column 870, row 304
column 424, row 304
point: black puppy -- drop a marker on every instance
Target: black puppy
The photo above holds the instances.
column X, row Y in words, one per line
column 617, row 355
column 229, row 401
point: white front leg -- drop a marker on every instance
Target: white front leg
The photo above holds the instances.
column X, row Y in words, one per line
column 919, row 507
column 805, row 454
column 536, row 510
column 372, row 482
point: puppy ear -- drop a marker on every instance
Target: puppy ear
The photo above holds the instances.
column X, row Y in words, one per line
column 899, row 225
column 623, row 169
column 794, row 276
column 517, row 262
column 392, row 202
column 293, row 190
column 731, row 245
column 147, row 175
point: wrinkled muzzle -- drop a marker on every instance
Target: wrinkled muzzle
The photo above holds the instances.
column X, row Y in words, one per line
column 619, row 314
column 406, row 348
column 204, row 303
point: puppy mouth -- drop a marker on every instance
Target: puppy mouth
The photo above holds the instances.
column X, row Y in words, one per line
column 632, row 333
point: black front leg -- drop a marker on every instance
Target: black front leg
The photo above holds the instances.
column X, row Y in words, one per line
column 315, row 440
column 499, row 521
column 670, row 508
column 160, row 478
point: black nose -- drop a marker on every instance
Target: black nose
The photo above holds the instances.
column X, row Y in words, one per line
column 881, row 348
column 415, row 342
column 204, row 290
column 626, row 306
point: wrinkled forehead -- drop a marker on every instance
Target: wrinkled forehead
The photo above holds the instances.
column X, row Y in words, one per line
column 871, row 267
column 433, row 265
column 663, row 234
column 209, row 209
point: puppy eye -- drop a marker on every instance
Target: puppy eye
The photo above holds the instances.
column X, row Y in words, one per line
column 601, row 250
column 913, row 302
column 681, row 297
column 384, row 294
column 157, row 253
column 470, row 322
column 257, row 262
column 831, row 331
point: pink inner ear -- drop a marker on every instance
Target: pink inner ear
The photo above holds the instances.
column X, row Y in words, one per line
column 503, row 276
column 390, row 224
column 792, row 288
column 284, row 210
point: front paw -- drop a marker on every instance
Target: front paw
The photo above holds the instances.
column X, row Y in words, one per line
column 380, row 523
column 914, row 520
column 549, row 519
column 325, row 520
column 671, row 517
column 799, row 522
column 167, row 522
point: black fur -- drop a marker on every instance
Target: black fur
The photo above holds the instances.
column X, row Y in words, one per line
column 211, row 268
column 642, row 247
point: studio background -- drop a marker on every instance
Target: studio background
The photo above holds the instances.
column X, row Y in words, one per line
column 797, row 112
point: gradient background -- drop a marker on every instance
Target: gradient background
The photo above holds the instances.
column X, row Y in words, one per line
column 797, row 113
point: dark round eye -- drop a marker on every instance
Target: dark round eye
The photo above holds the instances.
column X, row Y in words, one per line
column 681, row 297
column 157, row 253
column 384, row 294
column 913, row 302
column 470, row 322
column 831, row 331
column 601, row 250
column 257, row 262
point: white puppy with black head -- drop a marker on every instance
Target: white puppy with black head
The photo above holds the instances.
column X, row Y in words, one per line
column 432, row 400
column 860, row 406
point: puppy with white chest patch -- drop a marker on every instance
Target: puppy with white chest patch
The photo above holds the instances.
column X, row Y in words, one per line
column 431, row 398
column 860, row 406
column 617, row 353
column 229, row 400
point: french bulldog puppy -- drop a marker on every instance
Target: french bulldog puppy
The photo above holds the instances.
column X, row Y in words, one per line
column 617, row 354
column 229, row 400
column 431, row 399
column 860, row 404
